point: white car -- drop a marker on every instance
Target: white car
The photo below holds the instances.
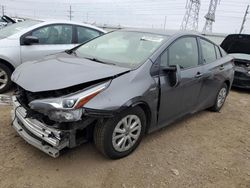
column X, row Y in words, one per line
column 32, row 39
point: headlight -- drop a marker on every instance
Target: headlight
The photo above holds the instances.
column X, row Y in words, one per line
column 66, row 115
column 67, row 108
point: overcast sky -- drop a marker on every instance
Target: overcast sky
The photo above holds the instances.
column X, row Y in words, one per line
column 137, row 13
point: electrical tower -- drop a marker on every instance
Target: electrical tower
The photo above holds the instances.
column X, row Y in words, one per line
column 244, row 19
column 191, row 17
column 210, row 16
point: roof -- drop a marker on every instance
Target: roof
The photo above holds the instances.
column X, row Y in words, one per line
column 55, row 21
column 161, row 31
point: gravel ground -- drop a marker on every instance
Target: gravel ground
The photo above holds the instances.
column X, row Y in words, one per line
column 205, row 150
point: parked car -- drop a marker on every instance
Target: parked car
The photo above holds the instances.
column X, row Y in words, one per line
column 32, row 39
column 116, row 88
column 238, row 45
column 6, row 20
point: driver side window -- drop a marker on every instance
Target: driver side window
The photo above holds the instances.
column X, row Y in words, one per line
column 54, row 34
column 183, row 52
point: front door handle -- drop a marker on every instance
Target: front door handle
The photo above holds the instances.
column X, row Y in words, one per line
column 198, row 75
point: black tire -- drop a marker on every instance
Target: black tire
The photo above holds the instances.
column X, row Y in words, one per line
column 216, row 107
column 104, row 130
column 8, row 72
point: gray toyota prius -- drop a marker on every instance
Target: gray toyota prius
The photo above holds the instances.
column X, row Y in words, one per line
column 117, row 88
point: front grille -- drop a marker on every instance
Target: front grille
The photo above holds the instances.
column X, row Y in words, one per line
column 239, row 74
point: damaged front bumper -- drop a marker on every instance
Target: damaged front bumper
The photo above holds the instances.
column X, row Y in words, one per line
column 40, row 135
column 242, row 79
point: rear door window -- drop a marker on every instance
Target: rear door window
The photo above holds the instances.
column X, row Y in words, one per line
column 84, row 34
column 208, row 51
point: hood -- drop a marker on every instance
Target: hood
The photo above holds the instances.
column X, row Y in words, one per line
column 236, row 43
column 61, row 71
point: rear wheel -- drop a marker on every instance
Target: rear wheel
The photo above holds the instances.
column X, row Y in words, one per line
column 119, row 136
column 220, row 99
column 5, row 81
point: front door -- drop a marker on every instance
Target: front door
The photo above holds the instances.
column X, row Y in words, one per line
column 52, row 39
column 182, row 99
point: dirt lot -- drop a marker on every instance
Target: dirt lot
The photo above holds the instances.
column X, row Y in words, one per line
column 205, row 150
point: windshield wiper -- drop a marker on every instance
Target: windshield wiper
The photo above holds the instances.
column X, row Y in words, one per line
column 70, row 52
column 99, row 61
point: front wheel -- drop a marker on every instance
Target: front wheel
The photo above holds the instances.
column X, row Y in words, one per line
column 5, row 81
column 119, row 136
column 220, row 99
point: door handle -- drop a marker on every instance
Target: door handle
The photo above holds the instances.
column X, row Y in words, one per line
column 221, row 67
column 198, row 75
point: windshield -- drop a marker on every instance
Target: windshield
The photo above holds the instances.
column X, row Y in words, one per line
column 15, row 28
column 122, row 48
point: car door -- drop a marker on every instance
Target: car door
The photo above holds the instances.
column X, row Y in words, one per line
column 213, row 66
column 52, row 39
column 84, row 34
column 182, row 99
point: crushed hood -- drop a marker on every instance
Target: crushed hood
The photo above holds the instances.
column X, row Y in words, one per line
column 61, row 71
column 236, row 43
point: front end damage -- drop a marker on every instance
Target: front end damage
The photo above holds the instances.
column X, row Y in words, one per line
column 242, row 73
column 45, row 119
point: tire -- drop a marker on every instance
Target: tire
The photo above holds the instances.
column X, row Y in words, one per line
column 220, row 100
column 5, row 75
column 105, row 131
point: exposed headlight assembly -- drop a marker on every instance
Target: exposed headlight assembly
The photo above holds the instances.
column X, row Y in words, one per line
column 67, row 108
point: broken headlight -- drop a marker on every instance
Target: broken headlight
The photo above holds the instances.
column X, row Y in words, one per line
column 67, row 108
column 66, row 115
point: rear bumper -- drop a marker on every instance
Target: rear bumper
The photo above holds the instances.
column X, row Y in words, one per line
column 40, row 135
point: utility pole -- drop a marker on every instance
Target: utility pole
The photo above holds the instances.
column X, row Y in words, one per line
column 70, row 13
column 165, row 22
column 191, row 17
column 3, row 10
column 210, row 16
column 244, row 19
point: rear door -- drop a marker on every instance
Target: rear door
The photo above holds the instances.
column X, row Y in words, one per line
column 178, row 101
column 214, row 66
column 52, row 39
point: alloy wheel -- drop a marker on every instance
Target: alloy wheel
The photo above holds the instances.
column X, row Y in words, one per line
column 221, row 97
column 126, row 133
column 3, row 78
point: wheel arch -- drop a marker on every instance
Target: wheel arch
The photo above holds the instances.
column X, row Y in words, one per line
column 228, row 83
column 8, row 64
column 144, row 106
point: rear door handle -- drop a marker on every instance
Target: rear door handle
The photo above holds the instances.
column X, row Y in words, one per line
column 198, row 75
column 221, row 67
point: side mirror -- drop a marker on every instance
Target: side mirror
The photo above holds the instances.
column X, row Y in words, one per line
column 28, row 40
column 174, row 74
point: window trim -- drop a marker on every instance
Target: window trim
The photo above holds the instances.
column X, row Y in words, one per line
column 30, row 32
column 220, row 55
column 198, row 49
